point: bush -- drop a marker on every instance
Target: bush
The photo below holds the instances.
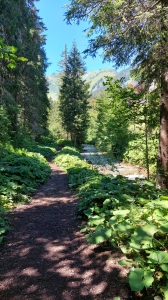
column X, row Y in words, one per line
column 21, row 173
column 64, row 143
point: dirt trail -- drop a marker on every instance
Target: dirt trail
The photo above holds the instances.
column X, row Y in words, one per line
column 45, row 256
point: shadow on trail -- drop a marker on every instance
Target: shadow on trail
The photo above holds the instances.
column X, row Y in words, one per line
column 45, row 256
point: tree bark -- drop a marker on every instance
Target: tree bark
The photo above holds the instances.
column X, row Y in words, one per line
column 162, row 163
column 74, row 139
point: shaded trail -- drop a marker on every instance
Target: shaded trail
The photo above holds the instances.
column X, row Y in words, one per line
column 45, row 256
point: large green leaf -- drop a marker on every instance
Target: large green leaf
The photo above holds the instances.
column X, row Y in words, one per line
column 135, row 279
column 164, row 267
column 113, row 220
column 122, row 212
column 164, row 227
column 147, row 278
column 166, row 292
column 99, row 236
column 164, row 197
column 12, row 65
column 123, row 227
column 142, row 238
column 96, row 220
column 159, row 203
column 158, row 257
column 138, row 279
column 122, row 262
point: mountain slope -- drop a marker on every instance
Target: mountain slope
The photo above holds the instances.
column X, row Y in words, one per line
column 95, row 78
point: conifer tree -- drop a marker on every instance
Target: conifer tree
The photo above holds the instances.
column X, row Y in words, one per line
column 74, row 97
column 24, row 87
column 136, row 33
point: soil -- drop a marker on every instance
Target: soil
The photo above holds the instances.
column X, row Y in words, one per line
column 45, row 256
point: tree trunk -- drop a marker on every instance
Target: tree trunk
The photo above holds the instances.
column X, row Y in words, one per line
column 146, row 148
column 74, row 139
column 162, row 163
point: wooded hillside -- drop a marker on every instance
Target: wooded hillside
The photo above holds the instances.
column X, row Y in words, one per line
column 95, row 78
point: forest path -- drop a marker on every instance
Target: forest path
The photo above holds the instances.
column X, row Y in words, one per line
column 46, row 257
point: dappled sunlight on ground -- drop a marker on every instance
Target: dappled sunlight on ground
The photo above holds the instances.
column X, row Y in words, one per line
column 46, row 257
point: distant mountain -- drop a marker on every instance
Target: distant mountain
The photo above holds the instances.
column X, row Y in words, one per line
column 95, row 78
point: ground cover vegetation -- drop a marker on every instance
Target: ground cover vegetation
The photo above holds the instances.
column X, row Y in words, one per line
column 127, row 214
column 21, row 173
column 132, row 33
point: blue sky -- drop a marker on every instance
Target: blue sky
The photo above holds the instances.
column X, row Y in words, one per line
column 59, row 34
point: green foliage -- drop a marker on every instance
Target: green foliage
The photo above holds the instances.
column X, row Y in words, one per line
column 135, row 152
column 45, row 146
column 54, row 120
column 114, row 116
column 129, row 33
column 3, row 224
column 21, row 173
column 145, row 136
column 92, row 128
column 74, row 97
column 127, row 124
column 4, row 125
column 23, row 90
column 43, row 150
column 47, row 140
column 131, row 215
column 8, row 53
column 64, row 142
column 69, row 157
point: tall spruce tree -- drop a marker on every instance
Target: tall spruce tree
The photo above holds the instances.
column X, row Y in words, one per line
column 74, row 97
column 136, row 33
column 24, row 87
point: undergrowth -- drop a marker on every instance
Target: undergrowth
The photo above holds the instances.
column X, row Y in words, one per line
column 130, row 215
column 21, row 172
column 135, row 153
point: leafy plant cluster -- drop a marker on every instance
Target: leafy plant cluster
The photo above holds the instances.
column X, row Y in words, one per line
column 69, row 158
column 21, row 172
column 64, row 142
column 135, row 152
column 45, row 146
column 131, row 215
column 9, row 54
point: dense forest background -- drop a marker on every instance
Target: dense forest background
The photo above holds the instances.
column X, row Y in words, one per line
column 23, row 86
